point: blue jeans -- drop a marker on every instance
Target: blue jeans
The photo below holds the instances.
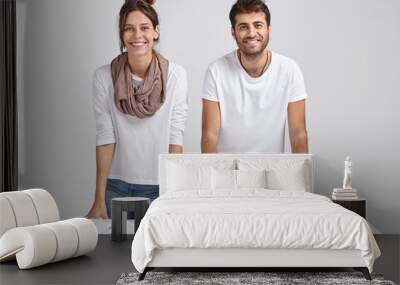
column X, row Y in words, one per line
column 118, row 188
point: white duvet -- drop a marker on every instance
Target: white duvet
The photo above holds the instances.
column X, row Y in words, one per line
column 252, row 218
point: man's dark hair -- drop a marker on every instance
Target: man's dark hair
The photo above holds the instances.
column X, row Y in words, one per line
column 249, row 6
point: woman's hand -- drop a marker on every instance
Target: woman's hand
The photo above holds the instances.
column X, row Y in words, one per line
column 104, row 156
column 97, row 211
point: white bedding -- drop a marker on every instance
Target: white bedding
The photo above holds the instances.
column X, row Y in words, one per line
column 251, row 218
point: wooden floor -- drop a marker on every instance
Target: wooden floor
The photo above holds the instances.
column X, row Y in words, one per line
column 110, row 260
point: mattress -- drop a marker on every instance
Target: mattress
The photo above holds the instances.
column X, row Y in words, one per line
column 251, row 219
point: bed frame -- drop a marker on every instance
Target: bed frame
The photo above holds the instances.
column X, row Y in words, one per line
column 246, row 259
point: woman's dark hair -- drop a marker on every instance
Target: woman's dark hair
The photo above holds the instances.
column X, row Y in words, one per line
column 143, row 6
column 249, row 6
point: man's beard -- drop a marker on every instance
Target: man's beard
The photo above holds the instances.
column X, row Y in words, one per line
column 253, row 53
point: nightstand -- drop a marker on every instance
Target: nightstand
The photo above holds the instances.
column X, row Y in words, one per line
column 119, row 212
column 358, row 206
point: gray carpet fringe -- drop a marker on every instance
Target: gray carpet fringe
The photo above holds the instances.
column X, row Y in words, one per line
column 253, row 278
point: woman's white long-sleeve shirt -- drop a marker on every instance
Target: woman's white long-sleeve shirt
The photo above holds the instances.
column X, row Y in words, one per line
column 139, row 141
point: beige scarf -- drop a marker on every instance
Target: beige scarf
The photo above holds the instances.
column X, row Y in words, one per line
column 145, row 100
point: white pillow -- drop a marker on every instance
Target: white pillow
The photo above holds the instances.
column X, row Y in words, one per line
column 282, row 174
column 185, row 177
column 252, row 178
column 291, row 178
column 223, row 179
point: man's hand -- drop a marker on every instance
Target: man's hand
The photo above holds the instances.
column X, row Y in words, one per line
column 211, row 123
column 297, row 127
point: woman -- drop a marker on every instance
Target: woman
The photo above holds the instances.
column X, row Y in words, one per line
column 140, row 106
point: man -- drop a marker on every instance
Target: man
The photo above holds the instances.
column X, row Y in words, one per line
column 249, row 94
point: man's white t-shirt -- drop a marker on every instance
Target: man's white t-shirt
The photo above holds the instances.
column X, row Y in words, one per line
column 253, row 110
column 138, row 142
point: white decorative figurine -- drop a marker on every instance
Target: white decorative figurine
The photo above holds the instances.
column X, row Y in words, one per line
column 347, row 173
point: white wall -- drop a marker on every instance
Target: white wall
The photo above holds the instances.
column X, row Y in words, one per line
column 346, row 49
column 63, row 43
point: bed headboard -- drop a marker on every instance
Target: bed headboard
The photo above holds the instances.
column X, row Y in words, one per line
column 226, row 159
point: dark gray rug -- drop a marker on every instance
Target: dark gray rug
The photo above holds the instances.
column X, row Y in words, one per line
column 243, row 278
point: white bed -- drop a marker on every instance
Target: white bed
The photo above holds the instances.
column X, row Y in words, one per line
column 201, row 220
